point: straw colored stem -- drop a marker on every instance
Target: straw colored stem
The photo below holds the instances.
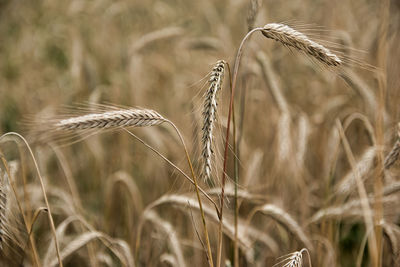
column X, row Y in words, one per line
column 194, row 182
column 26, row 224
column 236, row 176
column 234, row 77
column 367, row 212
column 382, row 56
column 53, row 229
column 210, row 259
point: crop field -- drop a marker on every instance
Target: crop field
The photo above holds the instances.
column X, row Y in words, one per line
column 200, row 133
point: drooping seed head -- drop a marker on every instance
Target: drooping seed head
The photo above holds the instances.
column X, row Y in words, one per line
column 209, row 116
column 112, row 119
column 3, row 208
column 394, row 154
column 11, row 235
column 294, row 259
column 290, row 37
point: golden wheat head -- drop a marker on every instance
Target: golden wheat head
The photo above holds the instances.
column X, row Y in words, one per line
column 292, row 38
column 209, row 116
column 112, row 119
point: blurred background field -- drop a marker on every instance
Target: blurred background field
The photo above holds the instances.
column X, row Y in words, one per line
column 158, row 54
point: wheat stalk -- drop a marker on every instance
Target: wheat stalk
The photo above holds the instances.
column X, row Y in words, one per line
column 209, row 116
column 247, row 234
column 292, row 38
column 112, row 119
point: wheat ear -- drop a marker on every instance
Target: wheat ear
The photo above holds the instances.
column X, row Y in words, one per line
column 209, row 116
column 112, row 119
column 394, row 154
column 295, row 259
column 285, row 219
column 3, row 208
column 171, row 235
column 292, row 38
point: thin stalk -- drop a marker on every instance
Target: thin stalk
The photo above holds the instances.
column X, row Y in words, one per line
column 366, row 209
column 53, row 228
column 234, row 78
column 173, row 165
column 31, row 241
column 24, row 181
column 34, row 218
column 382, row 85
column 203, row 218
column 194, row 182
column 238, row 142
column 236, row 176
column 75, row 196
column 219, row 255
column 68, row 176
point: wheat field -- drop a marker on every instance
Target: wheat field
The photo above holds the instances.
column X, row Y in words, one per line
column 199, row 133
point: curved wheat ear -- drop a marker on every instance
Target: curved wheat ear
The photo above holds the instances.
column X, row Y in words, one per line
column 111, row 119
column 285, row 219
column 171, row 234
column 294, row 259
column 394, row 154
column 3, row 208
column 10, row 234
column 209, row 116
column 290, row 37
